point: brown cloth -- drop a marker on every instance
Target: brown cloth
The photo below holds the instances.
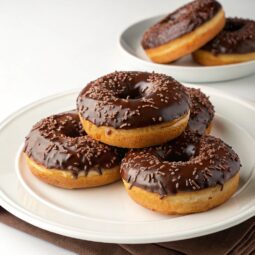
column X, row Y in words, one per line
column 238, row 240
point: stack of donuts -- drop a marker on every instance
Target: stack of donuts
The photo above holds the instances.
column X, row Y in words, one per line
column 146, row 129
column 200, row 28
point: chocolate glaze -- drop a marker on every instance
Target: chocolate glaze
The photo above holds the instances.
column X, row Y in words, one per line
column 183, row 21
column 201, row 112
column 126, row 100
column 59, row 142
column 238, row 36
column 213, row 164
column 201, row 115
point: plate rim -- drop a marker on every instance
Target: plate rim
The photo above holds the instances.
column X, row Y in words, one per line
column 40, row 222
column 93, row 236
column 172, row 66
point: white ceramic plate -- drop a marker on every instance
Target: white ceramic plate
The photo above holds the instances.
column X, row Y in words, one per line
column 184, row 69
column 107, row 214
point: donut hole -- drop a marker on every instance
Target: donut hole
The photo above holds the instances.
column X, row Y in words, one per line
column 73, row 131
column 233, row 26
column 131, row 94
column 182, row 154
column 186, row 154
column 68, row 124
column 136, row 91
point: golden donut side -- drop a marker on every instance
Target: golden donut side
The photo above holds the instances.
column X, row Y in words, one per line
column 185, row 202
column 188, row 43
column 206, row 58
column 137, row 137
column 65, row 179
column 208, row 129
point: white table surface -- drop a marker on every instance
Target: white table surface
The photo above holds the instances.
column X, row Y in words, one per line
column 48, row 46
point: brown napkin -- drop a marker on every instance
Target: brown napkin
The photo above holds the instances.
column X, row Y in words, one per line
column 238, row 240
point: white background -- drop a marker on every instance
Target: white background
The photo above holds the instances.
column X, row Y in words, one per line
column 49, row 46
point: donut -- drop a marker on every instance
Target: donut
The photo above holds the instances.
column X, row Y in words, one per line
column 155, row 180
column 59, row 152
column 234, row 44
column 183, row 31
column 134, row 109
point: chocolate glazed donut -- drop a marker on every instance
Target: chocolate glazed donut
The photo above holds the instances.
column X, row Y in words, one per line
column 183, row 31
column 59, row 152
column 156, row 180
column 134, row 109
column 234, row 44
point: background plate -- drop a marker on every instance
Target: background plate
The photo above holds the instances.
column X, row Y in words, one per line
column 107, row 214
column 184, row 69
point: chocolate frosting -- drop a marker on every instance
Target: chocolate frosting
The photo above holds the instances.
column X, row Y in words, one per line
column 157, row 171
column 59, row 142
column 238, row 36
column 126, row 100
column 201, row 116
column 183, row 21
column 201, row 112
